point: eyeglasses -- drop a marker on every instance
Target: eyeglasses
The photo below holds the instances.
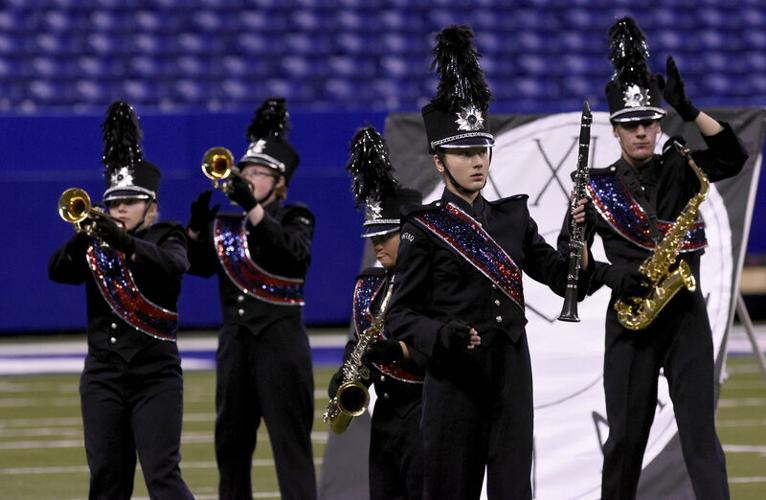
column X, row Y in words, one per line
column 252, row 174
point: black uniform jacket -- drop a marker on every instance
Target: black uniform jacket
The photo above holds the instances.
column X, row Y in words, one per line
column 662, row 188
column 157, row 266
column 280, row 244
column 435, row 285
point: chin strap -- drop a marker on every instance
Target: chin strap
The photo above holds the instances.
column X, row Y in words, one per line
column 456, row 184
column 275, row 179
column 143, row 217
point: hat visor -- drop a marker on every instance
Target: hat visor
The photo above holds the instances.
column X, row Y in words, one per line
column 122, row 194
column 265, row 160
column 469, row 142
column 637, row 115
column 378, row 229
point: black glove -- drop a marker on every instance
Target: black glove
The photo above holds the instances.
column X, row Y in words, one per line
column 108, row 231
column 335, row 382
column 240, row 193
column 384, row 351
column 201, row 213
column 674, row 93
column 454, row 335
column 626, row 281
column 77, row 245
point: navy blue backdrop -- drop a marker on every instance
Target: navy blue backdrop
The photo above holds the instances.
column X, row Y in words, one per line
column 40, row 156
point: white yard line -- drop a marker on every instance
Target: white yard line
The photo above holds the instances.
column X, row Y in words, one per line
column 743, row 448
column 731, row 403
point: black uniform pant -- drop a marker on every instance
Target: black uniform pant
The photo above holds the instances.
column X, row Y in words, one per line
column 396, row 451
column 680, row 342
column 130, row 407
column 266, row 376
column 477, row 412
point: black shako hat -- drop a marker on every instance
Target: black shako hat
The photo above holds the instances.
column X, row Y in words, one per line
column 457, row 117
column 268, row 144
column 375, row 186
column 632, row 93
column 126, row 173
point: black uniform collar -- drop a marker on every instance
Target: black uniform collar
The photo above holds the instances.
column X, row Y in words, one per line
column 476, row 210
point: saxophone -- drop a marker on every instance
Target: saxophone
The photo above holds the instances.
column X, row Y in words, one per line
column 352, row 397
column 636, row 313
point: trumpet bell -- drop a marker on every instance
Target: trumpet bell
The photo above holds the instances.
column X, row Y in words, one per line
column 217, row 163
column 74, row 205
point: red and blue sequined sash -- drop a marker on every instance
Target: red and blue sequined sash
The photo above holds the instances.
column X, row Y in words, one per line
column 625, row 215
column 366, row 289
column 230, row 238
column 114, row 280
column 469, row 240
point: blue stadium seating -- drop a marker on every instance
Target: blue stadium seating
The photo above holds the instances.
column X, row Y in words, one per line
column 64, row 55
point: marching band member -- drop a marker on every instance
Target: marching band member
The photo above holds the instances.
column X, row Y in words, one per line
column 263, row 363
column 459, row 298
column 636, row 197
column 131, row 388
column 396, row 370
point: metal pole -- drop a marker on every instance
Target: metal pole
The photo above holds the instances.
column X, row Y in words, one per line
column 744, row 317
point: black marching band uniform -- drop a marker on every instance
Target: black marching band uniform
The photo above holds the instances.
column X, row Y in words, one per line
column 460, row 266
column 396, row 448
column 263, row 363
column 636, row 207
column 131, row 387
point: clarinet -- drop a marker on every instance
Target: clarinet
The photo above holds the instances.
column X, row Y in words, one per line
column 577, row 231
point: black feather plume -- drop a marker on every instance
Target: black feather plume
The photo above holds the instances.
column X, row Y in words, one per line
column 370, row 168
column 628, row 52
column 461, row 80
column 122, row 136
column 270, row 121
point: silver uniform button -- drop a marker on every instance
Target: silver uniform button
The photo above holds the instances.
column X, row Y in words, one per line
column 494, row 287
column 385, row 395
column 240, row 298
column 241, row 312
column 497, row 302
column 113, row 326
column 112, row 340
column 382, row 378
column 499, row 319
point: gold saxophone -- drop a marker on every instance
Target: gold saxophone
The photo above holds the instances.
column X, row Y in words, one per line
column 636, row 313
column 352, row 397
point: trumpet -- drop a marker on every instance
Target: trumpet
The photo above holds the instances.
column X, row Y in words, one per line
column 74, row 206
column 218, row 166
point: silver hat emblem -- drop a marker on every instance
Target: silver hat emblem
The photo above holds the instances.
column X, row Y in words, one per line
column 635, row 96
column 257, row 147
column 374, row 210
column 122, row 177
column 469, row 119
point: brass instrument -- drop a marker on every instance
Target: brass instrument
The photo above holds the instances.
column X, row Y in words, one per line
column 638, row 312
column 218, row 165
column 352, row 397
column 577, row 231
column 75, row 207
